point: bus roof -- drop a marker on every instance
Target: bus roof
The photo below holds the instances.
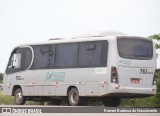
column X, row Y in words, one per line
column 93, row 36
column 99, row 34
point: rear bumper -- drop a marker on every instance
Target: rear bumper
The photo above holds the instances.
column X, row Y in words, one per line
column 116, row 90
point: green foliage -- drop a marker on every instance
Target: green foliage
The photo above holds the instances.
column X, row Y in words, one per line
column 157, row 38
column 153, row 101
column 1, row 77
column 157, row 99
column 9, row 100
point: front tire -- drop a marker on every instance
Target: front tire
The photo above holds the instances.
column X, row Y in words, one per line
column 18, row 97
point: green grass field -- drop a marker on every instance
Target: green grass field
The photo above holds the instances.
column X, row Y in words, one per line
column 9, row 100
column 138, row 102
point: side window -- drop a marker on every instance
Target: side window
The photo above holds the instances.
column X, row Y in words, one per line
column 89, row 54
column 19, row 60
column 43, row 56
column 26, row 58
column 104, row 53
column 15, row 61
column 93, row 54
column 66, row 55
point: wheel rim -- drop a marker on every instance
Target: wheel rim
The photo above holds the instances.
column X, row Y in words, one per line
column 18, row 97
column 74, row 97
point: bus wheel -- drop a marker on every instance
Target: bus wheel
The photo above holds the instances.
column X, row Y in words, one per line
column 73, row 97
column 112, row 102
column 18, row 97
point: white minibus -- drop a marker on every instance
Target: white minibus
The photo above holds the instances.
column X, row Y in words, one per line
column 103, row 66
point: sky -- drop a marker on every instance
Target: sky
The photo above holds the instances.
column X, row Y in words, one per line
column 27, row 21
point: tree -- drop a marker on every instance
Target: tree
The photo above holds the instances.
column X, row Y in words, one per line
column 1, row 77
column 156, row 37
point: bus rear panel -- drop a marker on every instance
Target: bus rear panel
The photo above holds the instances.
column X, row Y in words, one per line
column 136, row 65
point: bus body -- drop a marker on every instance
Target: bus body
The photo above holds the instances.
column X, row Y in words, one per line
column 103, row 67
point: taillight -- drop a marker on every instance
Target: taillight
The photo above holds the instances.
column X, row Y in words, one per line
column 114, row 75
column 154, row 78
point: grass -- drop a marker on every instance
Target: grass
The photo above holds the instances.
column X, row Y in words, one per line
column 9, row 100
column 136, row 102
column 6, row 100
column 153, row 101
column 140, row 102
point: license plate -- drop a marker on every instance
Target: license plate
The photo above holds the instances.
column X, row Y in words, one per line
column 135, row 80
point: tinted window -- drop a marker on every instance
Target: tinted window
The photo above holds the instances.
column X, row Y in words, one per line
column 93, row 54
column 19, row 60
column 66, row 55
column 89, row 54
column 43, row 56
column 69, row 55
column 26, row 58
column 135, row 48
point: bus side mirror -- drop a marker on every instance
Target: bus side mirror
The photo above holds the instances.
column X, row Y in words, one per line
column 16, row 60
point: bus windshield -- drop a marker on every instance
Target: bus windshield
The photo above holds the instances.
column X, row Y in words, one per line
column 135, row 48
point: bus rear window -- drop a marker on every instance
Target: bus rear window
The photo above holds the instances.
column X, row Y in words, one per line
column 135, row 48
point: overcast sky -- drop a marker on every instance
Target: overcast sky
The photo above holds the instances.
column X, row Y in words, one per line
column 26, row 21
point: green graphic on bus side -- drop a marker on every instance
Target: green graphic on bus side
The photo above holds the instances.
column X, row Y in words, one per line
column 55, row 76
column 124, row 61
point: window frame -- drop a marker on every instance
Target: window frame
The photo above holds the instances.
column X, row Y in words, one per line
column 104, row 49
column 34, row 65
column 134, row 57
column 15, row 51
column 57, row 53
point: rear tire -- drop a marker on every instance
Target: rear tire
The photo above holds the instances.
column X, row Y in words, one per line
column 18, row 97
column 112, row 102
column 74, row 99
